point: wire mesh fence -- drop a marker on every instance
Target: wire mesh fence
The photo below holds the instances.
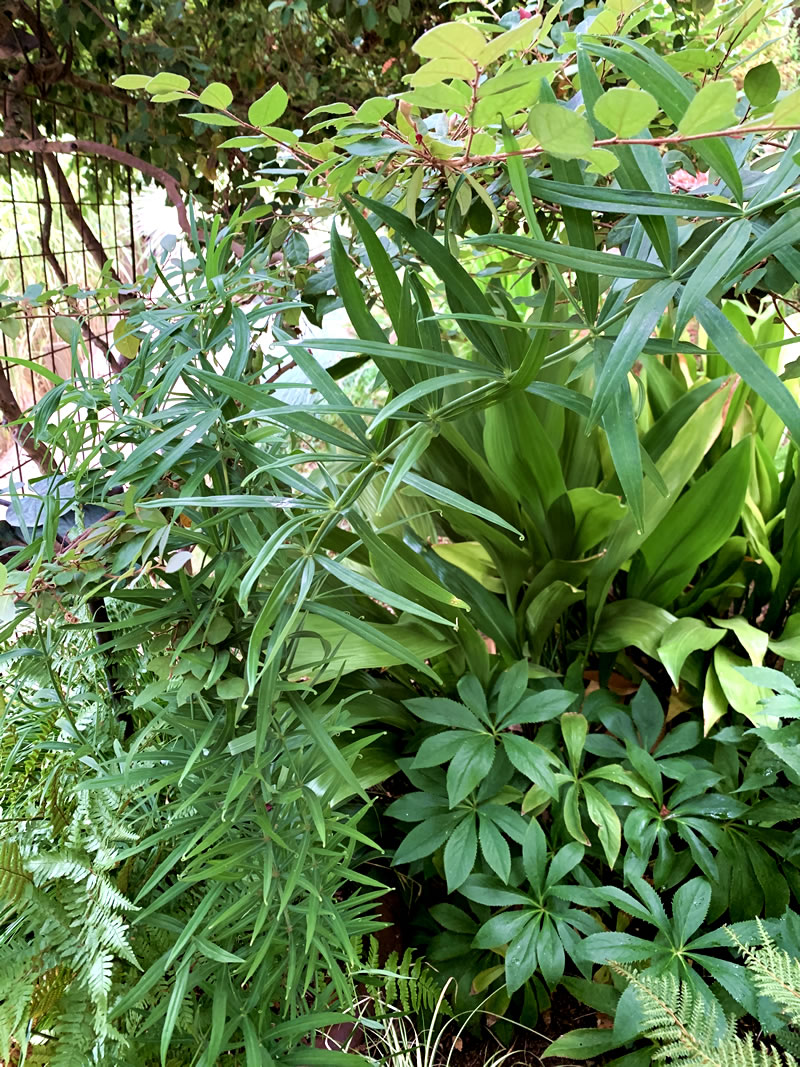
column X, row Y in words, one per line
column 66, row 220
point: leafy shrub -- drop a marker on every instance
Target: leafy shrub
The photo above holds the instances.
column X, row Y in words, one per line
column 576, row 485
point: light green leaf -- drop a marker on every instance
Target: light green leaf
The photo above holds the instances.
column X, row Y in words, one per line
column 521, row 36
column 268, row 108
column 438, row 70
column 601, row 161
column 209, row 118
column 559, row 131
column 752, row 640
column 711, row 109
column 672, row 553
column 167, row 83
column 132, row 81
column 682, row 638
column 626, row 111
column 740, row 693
column 374, row 109
column 372, row 589
column 628, row 344
column 451, row 40
column 787, row 110
column 217, row 95
column 583, row 1044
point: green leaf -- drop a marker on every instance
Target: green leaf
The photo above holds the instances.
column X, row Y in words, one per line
column 740, row 693
column 494, row 848
column 747, row 363
column 573, row 258
column 619, row 423
column 626, row 111
column 674, row 95
column 469, row 767
column 516, row 39
column 175, row 1004
column 209, row 118
column 574, row 729
column 762, row 84
column 711, row 109
column 628, row 344
column 754, row 641
column 690, row 907
column 630, row 201
column 426, row 838
column 606, row 820
column 680, row 639
column 631, row 622
column 534, row 855
column 167, row 83
column 378, row 592
column 787, row 110
column 405, row 459
column 451, row 40
column 531, row 760
column 269, row 107
column 444, row 712
column 455, row 500
column 501, row 929
column 460, row 853
column 216, row 94
column 521, row 955
column 132, row 81
column 561, row 132
column 713, row 267
column 436, row 750
column 582, row 1044
column 671, row 555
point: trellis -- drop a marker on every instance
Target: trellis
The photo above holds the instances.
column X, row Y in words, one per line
column 61, row 220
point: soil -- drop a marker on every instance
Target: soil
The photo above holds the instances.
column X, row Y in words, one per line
column 565, row 1014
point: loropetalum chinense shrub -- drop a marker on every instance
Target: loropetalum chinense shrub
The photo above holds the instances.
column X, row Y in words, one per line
column 509, row 626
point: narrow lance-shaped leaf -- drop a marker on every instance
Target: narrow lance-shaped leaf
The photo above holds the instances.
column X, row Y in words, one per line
column 747, row 363
column 712, row 268
column 629, row 343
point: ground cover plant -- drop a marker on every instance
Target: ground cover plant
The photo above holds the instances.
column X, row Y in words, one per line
column 498, row 660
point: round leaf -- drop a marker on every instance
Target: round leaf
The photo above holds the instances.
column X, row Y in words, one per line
column 216, row 95
column 560, row 132
column 626, row 111
column 762, row 84
column 165, row 82
column 451, row 40
column 711, row 109
column 132, row 81
column 269, row 107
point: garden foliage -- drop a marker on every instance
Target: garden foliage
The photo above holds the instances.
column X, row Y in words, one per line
column 512, row 631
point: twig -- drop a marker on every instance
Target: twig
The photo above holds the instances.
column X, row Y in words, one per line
column 107, row 151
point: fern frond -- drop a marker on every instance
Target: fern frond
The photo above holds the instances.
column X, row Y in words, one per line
column 691, row 1031
column 14, row 879
column 774, row 972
